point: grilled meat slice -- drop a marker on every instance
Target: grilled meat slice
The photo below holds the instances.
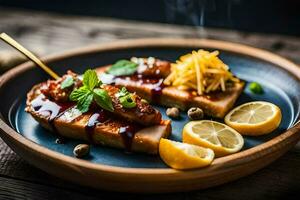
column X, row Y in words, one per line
column 142, row 113
column 52, row 88
column 98, row 127
column 214, row 104
column 152, row 67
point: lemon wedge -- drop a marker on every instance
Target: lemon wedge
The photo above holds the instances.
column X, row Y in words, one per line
column 184, row 156
column 219, row 137
column 254, row 118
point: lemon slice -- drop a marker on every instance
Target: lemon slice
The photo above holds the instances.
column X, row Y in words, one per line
column 184, row 156
column 254, row 118
column 219, row 137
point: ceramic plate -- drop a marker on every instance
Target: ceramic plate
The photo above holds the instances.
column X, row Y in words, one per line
column 114, row 169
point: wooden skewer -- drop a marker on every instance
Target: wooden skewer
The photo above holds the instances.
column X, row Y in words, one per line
column 6, row 38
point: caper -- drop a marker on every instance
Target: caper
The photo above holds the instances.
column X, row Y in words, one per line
column 195, row 113
column 60, row 141
column 81, row 150
column 173, row 112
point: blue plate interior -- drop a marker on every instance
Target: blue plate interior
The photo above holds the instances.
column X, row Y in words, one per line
column 280, row 88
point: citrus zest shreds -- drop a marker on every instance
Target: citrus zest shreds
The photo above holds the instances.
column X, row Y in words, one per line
column 200, row 70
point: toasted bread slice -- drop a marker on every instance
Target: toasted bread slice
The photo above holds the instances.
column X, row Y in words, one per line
column 214, row 104
column 72, row 124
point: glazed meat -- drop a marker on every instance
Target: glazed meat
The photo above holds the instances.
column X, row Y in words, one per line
column 215, row 104
column 98, row 126
column 151, row 88
column 52, row 88
column 152, row 67
column 142, row 113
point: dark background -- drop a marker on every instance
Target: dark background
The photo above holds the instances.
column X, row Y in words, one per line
column 270, row 16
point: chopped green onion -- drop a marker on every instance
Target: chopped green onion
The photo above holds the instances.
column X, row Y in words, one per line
column 127, row 101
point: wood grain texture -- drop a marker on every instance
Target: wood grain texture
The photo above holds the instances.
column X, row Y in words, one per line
column 46, row 33
column 50, row 33
column 273, row 182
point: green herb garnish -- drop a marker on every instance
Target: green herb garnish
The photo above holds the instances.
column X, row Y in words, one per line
column 90, row 79
column 68, row 82
column 85, row 95
column 256, row 88
column 127, row 102
column 122, row 92
column 122, row 68
column 126, row 98
column 84, row 102
column 103, row 99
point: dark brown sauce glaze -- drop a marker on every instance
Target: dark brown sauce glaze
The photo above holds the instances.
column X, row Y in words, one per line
column 53, row 110
column 156, row 91
column 157, row 84
column 127, row 133
column 45, row 107
column 99, row 116
column 152, row 67
column 127, row 130
column 142, row 79
column 50, row 109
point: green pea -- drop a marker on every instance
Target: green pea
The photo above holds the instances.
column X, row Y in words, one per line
column 256, row 88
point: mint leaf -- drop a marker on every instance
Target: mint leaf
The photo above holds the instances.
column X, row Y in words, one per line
column 90, row 79
column 123, row 68
column 84, row 102
column 68, row 82
column 79, row 93
column 103, row 99
column 85, row 95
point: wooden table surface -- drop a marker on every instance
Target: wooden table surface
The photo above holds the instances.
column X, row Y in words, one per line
column 46, row 33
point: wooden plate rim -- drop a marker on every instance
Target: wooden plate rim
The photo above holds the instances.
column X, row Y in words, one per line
column 289, row 136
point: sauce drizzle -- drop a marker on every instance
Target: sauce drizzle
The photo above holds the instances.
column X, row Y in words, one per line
column 156, row 91
column 95, row 118
column 157, row 84
column 127, row 134
column 50, row 109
